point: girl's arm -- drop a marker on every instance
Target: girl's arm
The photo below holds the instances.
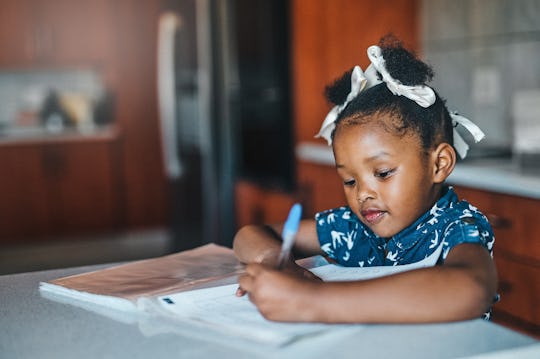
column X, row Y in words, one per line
column 262, row 244
column 462, row 288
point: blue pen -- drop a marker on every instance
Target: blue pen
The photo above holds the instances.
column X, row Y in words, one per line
column 289, row 233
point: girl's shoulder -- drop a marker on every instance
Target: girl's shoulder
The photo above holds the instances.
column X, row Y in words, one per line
column 451, row 209
column 467, row 213
column 467, row 224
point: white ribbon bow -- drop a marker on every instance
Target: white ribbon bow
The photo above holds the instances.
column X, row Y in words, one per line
column 459, row 143
column 423, row 95
column 358, row 83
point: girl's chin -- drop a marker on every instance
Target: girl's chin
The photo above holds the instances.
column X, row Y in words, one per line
column 382, row 230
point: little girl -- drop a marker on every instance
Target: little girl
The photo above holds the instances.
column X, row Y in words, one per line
column 394, row 144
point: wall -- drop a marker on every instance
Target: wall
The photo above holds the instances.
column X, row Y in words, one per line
column 485, row 53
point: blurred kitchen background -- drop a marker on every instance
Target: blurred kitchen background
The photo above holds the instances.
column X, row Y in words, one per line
column 132, row 129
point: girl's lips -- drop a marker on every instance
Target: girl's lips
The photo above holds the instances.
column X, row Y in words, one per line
column 373, row 216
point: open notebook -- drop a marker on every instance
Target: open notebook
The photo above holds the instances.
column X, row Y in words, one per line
column 169, row 288
column 120, row 287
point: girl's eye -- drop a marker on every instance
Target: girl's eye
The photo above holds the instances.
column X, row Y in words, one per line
column 384, row 173
column 349, row 182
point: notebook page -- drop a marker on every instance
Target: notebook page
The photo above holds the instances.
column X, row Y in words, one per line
column 333, row 272
column 218, row 308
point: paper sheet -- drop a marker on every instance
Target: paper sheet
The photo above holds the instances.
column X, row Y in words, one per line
column 159, row 288
column 332, row 272
column 218, row 308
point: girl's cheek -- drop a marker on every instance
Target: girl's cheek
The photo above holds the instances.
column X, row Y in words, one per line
column 351, row 200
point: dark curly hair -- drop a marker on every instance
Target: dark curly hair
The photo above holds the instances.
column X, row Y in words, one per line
column 433, row 124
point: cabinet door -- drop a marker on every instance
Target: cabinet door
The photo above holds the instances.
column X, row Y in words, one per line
column 519, row 287
column 84, row 188
column 24, row 195
column 16, row 34
column 73, row 32
column 516, row 253
column 322, row 50
column 57, row 189
column 322, row 185
column 514, row 221
column 257, row 205
column 55, row 32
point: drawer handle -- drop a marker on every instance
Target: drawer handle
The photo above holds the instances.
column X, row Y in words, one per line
column 498, row 221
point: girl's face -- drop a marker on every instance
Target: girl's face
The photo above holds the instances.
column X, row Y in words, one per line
column 388, row 180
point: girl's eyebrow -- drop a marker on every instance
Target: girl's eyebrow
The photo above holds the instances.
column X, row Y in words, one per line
column 375, row 157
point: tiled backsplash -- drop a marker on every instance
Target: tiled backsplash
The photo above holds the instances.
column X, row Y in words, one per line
column 23, row 92
column 483, row 52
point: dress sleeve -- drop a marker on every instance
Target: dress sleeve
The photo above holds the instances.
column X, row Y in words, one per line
column 474, row 229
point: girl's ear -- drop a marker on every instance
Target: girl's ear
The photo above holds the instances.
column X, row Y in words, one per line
column 444, row 161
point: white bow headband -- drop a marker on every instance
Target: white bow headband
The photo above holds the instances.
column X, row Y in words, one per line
column 421, row 94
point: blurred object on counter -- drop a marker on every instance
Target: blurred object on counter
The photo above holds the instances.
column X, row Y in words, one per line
column 43, row 102
column 53, row 116
column 63, row 110
column 31, row 103
column 103, row 111
column 526, row 116
column 78, row 107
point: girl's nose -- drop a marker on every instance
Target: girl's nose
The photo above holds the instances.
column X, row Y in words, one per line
column 364, row 193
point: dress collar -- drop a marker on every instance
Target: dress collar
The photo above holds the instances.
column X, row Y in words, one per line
column 406, row 237
column 429, row 218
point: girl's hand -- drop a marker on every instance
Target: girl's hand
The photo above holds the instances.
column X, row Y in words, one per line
column 280, row 295
column 292, row 268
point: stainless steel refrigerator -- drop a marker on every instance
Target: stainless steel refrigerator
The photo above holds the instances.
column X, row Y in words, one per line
column 223, row 96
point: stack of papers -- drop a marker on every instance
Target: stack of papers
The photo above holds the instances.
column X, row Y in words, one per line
column 168, row 288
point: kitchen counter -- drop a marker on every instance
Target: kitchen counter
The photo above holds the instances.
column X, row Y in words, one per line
column 36, row 327
column 41, row 136
column 499, row 175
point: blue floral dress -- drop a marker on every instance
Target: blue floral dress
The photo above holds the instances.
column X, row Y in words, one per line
column 345, row 239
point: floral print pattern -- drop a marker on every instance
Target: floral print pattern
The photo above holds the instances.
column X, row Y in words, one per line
column 345, row 239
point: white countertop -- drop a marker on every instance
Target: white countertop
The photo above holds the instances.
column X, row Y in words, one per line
column 497, row 175
column 490, row 174
column 35, row 327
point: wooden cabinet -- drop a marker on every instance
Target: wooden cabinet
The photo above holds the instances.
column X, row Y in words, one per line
column 52, row 188
column 319, row 188
column 16, row 35
column 517, row 255
column 75, row 31
column 55, row 32
column 258, row 205
column 331, row 37
column 59, row 188
column 322, row 186
column 23, row 206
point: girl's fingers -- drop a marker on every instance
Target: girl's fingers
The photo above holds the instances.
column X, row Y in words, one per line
column 245, row 281
column 240, row 292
